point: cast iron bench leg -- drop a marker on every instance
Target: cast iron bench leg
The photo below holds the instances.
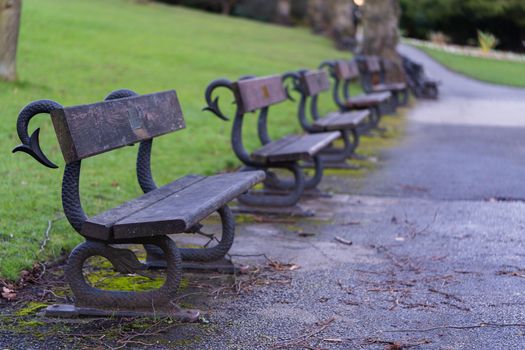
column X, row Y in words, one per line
column 287, row 200
column 273, row 182
column 93, row 301
column 337, row 155
column 156, row 259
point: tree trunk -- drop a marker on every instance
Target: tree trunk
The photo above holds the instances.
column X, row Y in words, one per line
column 227, row 6
column 284, row 8
column 316, row 16
column 342, row 28
column 381, row 34
column 9, row 28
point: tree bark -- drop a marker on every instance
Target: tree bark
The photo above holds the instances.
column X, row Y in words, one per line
column 284, row 8
column 342, row 28
column 9, row 28
column 227, row 6
column 317, row 15
column 381, row 34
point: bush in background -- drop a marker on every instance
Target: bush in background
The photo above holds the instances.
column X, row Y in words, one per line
column 460, row 20
column 487, row 41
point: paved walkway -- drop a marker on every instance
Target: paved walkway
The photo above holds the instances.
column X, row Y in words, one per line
column 468, row 145
column 435, row 264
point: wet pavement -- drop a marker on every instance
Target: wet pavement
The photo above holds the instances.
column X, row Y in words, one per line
column 438, row 253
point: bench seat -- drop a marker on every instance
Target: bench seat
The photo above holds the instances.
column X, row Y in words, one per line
column 389, row 87
column 341, row 121
column 173, row 208
column 368, row 100
column 295, row 147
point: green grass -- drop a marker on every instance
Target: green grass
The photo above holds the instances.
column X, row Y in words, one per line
column 76, row 52
column 485, row 69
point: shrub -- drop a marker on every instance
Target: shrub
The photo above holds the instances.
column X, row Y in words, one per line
column 438, row 38
column 487, row 41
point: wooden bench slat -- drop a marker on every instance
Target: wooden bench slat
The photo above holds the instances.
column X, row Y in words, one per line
column 340, row 121
column 343, row 71
column 373, row 64
column 369, row 100
column 183, row 209
column 389, row 87
column 100, row 226
column 353, row 69
column 88, row 130
column 262, row 92
column 295, row 147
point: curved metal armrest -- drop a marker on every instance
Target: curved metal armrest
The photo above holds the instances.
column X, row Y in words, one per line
column 144, row 175
column 31, row 144
column 295, row 78
column 213, row 103
column 330, row 64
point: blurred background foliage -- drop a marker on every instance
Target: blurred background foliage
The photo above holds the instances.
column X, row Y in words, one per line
column 461, row 20
column 455, row 21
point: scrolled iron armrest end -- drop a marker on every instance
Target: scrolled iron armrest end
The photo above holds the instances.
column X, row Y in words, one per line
column 31, row 144
column 327, row 64
column 213, row 103
column 295, row 76
column 121, row 93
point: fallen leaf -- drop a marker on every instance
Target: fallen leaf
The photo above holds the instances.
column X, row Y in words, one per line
column 294, row 267
column 342, row 240
column 334, row 340
column 306, row 234
column 8, row 294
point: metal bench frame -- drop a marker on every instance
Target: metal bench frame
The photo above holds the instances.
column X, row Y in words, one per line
column 341, row 94
column 291, row 191
column 374, row 67
column 332, row 157
column 96, row 302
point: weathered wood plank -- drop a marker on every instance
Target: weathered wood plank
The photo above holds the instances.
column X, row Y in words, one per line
column 180, row 211
column 389, row 87
column 295, row 147
column 373, row 64
column 262, row 154
column 354, row 69
column 369, row 100
column 315, row 82
column 100, row 226
column 87, row 130
column 341, row 121
column 262, row 92
column 342, row 70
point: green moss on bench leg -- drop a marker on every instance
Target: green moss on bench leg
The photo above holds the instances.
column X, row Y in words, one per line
column 30, row 308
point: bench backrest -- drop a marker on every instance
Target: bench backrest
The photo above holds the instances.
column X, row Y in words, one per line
column 342, row 71
column 353, row 68
column 373, row 64
column 257, row 93
column 87, row 130
column 315, row 81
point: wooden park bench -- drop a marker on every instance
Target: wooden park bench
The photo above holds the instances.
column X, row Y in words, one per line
column 310, row 84
column 373, row 79
column 126, row 118
column 345, row 73
column 257, row 95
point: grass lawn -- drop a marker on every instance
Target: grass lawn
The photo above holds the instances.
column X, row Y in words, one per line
column 77, row 51
column 486, row 69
